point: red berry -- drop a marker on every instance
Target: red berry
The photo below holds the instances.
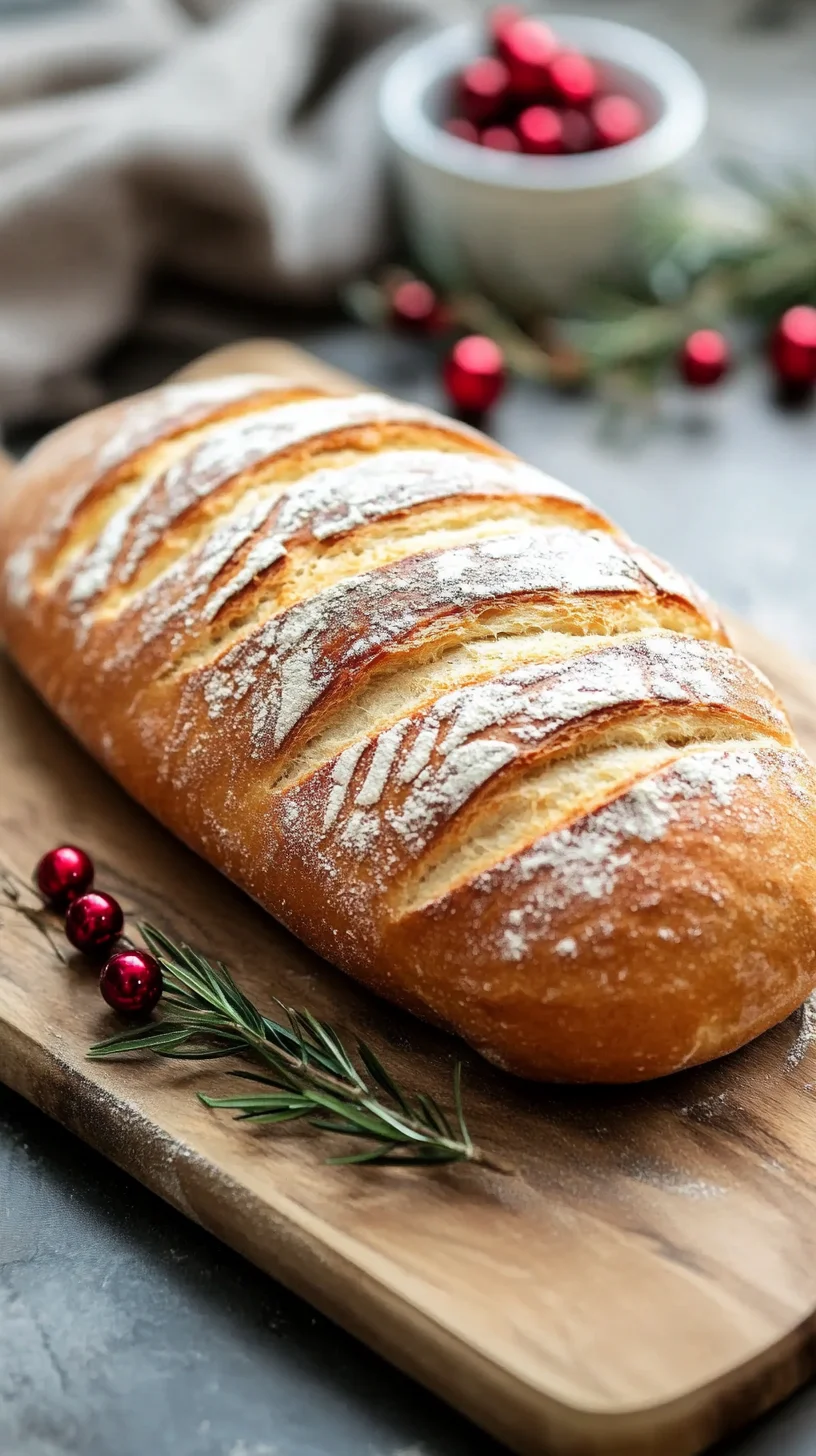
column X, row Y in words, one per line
column 704, row 358
column 62, row 874
column 460, row 127
column 573, row 78
column 414, row 305
column 500, row 139
column 474, row 374
column 617, row 119
column 499, row 22
column 131, row 982
column 793, row 348
column 528, row 49
column 483, row 87
column 541, row 130
column 577, row 132
column 93, row 922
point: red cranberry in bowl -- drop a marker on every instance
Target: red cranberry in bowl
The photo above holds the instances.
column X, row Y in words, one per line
column 500, row 139
column 573, row 78
column 541, row 130
column 528, row 48
column 577, row 132
column 483, row 88
column 617, row 119
column 499, row 21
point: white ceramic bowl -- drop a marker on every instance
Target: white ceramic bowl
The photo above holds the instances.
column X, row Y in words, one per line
column 529, row 231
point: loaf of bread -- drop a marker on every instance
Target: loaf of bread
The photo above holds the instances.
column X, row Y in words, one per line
column 432, row 710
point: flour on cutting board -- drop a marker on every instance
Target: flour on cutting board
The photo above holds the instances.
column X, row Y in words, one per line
column 806, row 1035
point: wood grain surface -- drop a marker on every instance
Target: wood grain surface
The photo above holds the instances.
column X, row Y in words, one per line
column 645, row 1282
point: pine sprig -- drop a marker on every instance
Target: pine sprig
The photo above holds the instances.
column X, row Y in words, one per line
column 688, row 274
column 305, row 1071
column 688, row 269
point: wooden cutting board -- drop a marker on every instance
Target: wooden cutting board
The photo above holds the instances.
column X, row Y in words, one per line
column 645, row 1283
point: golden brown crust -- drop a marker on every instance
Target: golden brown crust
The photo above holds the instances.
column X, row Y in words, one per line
column 704, row 938
column 432, row 709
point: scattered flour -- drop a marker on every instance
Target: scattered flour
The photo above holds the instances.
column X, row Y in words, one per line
column 806, row 1034
column 341, row 777
column 244, row 441
column 19, row 585
column 294, row 658
column 583, row 861
column 451, row 749
column 175, row 406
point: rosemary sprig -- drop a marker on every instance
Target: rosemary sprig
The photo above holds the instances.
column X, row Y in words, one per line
column 12, row 891
column 307, row 1071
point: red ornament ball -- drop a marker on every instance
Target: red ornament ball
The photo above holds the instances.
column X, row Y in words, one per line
column 62, row 874
column 483, row 87
column 617, row 119
column 793, row 348
column 474, row 374
column 573, row 78
column 704, row 358
column 541, row 130
column 131, row 982
column 414, row 305
column 500, row 139
column 93, row 922
column 528, row 49
column 460, row 127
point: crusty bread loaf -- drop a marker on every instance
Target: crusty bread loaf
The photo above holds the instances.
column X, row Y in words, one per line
column 432, row 710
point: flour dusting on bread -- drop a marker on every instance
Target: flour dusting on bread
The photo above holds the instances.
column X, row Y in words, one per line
column 583, row 861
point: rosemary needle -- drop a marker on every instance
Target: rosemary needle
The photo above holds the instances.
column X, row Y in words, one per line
column 303, row 1068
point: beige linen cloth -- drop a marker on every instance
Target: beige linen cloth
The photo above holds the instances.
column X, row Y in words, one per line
column 233, row 141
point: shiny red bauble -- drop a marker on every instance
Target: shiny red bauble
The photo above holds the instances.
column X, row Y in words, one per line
column 704, row 358
column 474, row 374
column 793, row 347
column 573, row 78
column 617, row 119
column 131, row 982
column 414, row 306
column 500, row 139
column 63, row 874
column 483, row 87
column 93, row 922
column 528, row 49
column 541, row 130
